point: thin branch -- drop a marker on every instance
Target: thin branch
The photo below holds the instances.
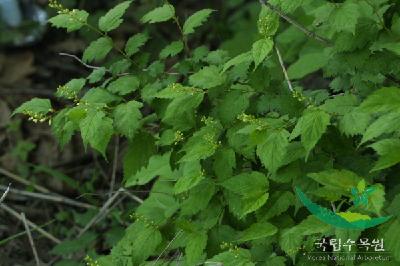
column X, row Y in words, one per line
column 28, row 232
column 31, row 224
column 51, row 197
column 114, row 166
column 23, row 181
column 295, row 23
column 5, row 193
column 169, row 244
column 135, row 198
column 284, row 69
column 79, row 60
column 102, row 211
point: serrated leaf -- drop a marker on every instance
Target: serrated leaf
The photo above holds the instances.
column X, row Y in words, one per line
column 235, row 98
column 268, row 22
column 97, row 50
column 127, row 118
column 354, row 122
column 71, row 89
column 36, row 106
column 158, row 165
column 376, row 200
column 124, row 85
column 239, row 257
column 62, row 127
column 120, row 67
column 391, row 239
column 260, row 50
column 278, row 203
column 385, row 124
column 159, row 14
column 307, row 64
column 135, row 42
column 70, row 21
column 257, row 231
column 272, row 150
column 95, row 122
column 196, row 20
column 383, row 100
column 243, row 58
column 388, row 150
column 340, row 180
column 344, row 17
column 97, row 75
column 208, row 77
column 99, row 96
column 196, row 244
column 199, row 197
column 113, row 18
column 172, row 49
column 311, row 126
column 191, row 175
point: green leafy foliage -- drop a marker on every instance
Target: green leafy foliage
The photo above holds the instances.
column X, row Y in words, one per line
column 217, row 136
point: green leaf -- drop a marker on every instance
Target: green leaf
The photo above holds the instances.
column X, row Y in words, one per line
column 120, row 67
column 158, row 166
column 208, row 77
column 257, row 231
column 345, row 17
column 392, row 242
column 137, row 154
column 191, row 175
column 99, row 96
column 376, row 200
column 244, row 58
column 196, row 20
column 159, row 14
column 340, row 180
column 199, row 197
column 287, row 6
column 127, row 118
column 172, row 49
column 382, row 100
column 311, row 126
column 97, row 50
column 196, row 244
column 234, row 98
column 261, row 49
column 272, row 150
column 71, row 89
column 307, row 64
column 97, row 75
column 278, row 203
column 385, row 124
column 239, row 257
column 135, row 42
column 340, row 104
column 62, row 127
column 95, row 122
column 124, row 85
column 70, row 21
column 388, row 150
column 354, row 122
column 113, row 18
column 268, row 22
column 35, row 107
column 68, row 247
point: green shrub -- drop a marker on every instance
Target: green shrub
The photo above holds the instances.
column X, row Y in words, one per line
column 224, row 139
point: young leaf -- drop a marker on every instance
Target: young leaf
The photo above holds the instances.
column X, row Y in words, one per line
column 127, row 118
column 273, row 149
column 238, row 60
column 135, row 42
column 112, row 19
column 71, row 89
column 261, row 49
column 62, row 127
column 97, row 50
column 172, row 49
column 159, row 14
column 196, row 20
column 195, row 247
column 387, row 123
column 208, row 77
column 124, row 85
column 192, row 174
column 257, row 231
column 36, row 106
column 71, row 21
column 268, row 22
column 97, row 75
column 311, row 126
column 95, row 122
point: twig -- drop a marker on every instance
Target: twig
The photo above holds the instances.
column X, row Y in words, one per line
column 284, row 69
column 50, row 197
column 31, row 224
column 135, row 198
column 103, row 210
column 28, row 232
column 169, row 244
column 114, row 166
column 79, row 60
column 294, row 23
column 23, row 181
column 5, row 193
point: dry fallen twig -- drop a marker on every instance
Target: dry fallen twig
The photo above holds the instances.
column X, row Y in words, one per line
column 31, row 224
column 28, row 232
